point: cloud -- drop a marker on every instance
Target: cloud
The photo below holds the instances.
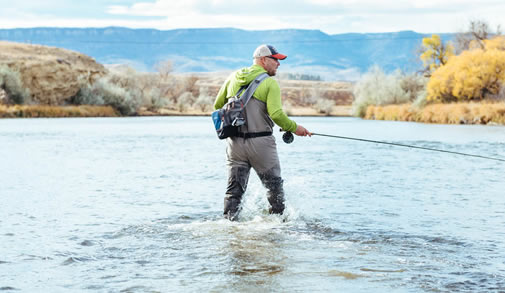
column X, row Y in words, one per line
column 330, row 16
column 158, row 8
column 299, row 7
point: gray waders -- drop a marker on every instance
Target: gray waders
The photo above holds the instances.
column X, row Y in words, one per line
column 254, row 147
column 260, row 153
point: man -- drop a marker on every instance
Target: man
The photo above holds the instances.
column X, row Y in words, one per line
column 256, row 146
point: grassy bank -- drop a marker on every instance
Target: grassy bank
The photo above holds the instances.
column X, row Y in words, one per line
column 456, row 113
column 34, row 111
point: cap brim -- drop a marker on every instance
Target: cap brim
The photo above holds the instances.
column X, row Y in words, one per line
column 280, row 56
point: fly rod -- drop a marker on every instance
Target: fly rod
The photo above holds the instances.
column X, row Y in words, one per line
column 288, row 138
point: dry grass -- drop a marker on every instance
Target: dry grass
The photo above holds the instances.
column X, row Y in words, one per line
column 456, row 113
column 306, row 93
column 39, row 111
column 344, row 111
column 307, row 111
column 300, row 93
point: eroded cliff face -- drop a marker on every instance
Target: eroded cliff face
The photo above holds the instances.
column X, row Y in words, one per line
column 52, row 75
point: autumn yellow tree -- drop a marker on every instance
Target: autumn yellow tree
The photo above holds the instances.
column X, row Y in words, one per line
column 434, row 53
column 475, row 74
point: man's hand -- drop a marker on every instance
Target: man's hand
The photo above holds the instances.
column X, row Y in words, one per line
column 301, row 131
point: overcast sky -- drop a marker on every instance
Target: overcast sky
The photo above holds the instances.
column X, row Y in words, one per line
column 329, row 16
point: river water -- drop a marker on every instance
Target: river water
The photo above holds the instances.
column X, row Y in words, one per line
column 134, row 205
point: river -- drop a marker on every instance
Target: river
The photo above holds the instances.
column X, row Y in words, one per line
column 135, row 204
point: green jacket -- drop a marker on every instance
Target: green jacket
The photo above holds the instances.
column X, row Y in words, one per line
column 268, row 91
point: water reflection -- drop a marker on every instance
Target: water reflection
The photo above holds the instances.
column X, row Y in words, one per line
column 256, row 257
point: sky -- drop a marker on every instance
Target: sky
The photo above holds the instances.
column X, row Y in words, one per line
column 329, row 16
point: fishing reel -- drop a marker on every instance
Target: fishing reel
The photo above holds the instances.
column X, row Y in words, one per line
column 288, row 137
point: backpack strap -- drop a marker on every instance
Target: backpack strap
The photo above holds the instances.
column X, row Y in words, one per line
column 252, row 88
column 241, row 89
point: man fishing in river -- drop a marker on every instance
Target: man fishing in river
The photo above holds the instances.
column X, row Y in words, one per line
column 256, row 145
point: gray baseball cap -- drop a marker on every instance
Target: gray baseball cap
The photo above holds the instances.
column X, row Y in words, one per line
column 268, row 51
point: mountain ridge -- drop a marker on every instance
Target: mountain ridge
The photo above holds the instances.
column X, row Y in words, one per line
column 313, row 52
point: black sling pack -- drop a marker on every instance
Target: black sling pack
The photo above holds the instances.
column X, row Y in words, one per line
column 230, row 117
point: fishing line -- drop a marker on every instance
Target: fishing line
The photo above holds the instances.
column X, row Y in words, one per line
column 288, row 138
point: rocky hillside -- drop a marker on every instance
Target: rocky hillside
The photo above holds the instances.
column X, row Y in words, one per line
column 52, row 75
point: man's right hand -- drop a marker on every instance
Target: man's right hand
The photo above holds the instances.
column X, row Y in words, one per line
column 301, row 131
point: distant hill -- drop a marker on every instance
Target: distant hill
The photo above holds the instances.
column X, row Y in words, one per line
column 333, row 57
column 51, row 75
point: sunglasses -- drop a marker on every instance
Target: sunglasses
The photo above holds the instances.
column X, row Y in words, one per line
column 273, row 58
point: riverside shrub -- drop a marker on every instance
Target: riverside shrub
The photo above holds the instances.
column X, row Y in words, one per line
column 475, row 74
column 324, row 106
column 453, row 113
column 103, row 92
column 378, row 88
column 10, row 82
column 185, row 101
column 125, row 91
column 204, row 100
column 128, row 90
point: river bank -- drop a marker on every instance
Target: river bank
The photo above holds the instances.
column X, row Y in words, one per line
column 457, row 113
column 45, row 111
column 454, row 113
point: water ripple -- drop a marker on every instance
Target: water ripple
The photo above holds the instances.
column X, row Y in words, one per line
column 134, row 205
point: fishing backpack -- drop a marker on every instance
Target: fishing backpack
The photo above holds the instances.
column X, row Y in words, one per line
column 231, row 116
